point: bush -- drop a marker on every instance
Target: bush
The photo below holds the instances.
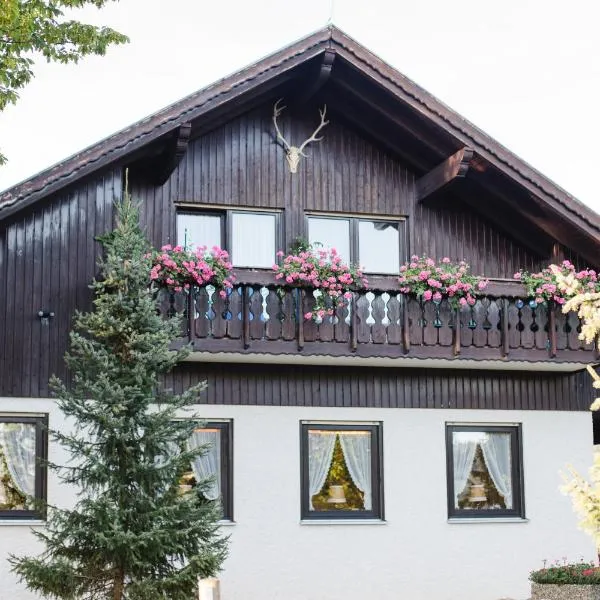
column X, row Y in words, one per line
column 578, row 573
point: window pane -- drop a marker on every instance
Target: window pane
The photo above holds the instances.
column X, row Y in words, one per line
column 17, row 465
column 482, row 470
column 339, row 470
column 253, row 239
column 379, row 246
column 198, row 230
column 331, row 233
column 206, row 466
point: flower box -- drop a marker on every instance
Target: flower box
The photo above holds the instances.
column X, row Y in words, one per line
column 564, row 591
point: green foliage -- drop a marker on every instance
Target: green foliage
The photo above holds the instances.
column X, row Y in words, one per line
column 132, row 532
column 28, row 27
column 578, row 573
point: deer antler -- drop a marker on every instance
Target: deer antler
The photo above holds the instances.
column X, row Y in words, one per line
column 277, row 110
column 313, row 138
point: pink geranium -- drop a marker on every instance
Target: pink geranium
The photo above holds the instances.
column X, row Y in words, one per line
column 434, row 281
column 322, row 270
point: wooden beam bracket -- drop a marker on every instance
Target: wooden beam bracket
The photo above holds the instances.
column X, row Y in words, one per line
column 441, row 177
column 173, row 154
column 321, row 78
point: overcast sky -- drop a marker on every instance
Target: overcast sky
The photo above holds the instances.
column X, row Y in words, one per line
column 525, row 71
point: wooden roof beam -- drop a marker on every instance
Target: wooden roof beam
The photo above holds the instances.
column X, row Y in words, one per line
column 321, row 78
column 441, row 177
column 169, row 160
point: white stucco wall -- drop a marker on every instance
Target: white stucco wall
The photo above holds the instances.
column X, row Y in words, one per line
column 416, row 554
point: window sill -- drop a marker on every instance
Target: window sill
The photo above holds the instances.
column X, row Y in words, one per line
column 343, row 522
column 227, row 523
column 22, row 522
column 455, row 520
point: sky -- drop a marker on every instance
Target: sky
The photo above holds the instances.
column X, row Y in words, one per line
column 527, row 72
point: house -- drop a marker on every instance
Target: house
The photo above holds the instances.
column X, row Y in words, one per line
column 398, row 449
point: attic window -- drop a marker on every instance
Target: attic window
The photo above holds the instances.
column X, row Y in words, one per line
column 376, row 245
column 250, row 237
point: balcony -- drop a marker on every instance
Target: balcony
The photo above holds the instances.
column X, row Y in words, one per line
column 260, row 317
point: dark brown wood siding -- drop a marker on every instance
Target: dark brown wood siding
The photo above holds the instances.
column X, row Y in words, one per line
column 47, row 260
column 279, row 385
column 239, row 164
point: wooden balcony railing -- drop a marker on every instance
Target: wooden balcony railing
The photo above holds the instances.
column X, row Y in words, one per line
column 258, row 316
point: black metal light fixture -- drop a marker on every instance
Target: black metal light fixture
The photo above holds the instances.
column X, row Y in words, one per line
column 45, row 316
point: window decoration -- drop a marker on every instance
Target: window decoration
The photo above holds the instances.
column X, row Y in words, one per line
column 177, row 269
column 251, row 238
column 484, row 471
column 215, row 465
column 323, row 270
column 341, row 471
column 376, row 245
column 22, row 475
column 431, row 280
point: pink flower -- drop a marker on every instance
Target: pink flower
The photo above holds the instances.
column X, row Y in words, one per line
column 437, row 296
column 308, row 316
column 427, row 294
column 445, row 260
column 517, row 275
column 289, row 279
column 463, row 301
column 280, row 253
column 223, row 294
column 348, row 295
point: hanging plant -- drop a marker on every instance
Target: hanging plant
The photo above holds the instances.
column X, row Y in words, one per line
column 177, row 269
column 558, row 283
column 324, row 270
column 430, row 280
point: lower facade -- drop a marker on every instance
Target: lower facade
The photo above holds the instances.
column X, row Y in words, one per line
column 296, row 533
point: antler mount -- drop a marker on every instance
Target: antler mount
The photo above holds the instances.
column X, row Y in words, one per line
column 293, row 153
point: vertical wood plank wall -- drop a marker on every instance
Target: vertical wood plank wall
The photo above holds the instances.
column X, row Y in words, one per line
column 47, row 256
column 290, row 385
column 47, row 260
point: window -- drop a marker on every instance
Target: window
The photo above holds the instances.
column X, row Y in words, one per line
column 484, row 471
column 215, row 464
column 378, row 246
column 252, row 238
column 341, row 471
column 22, row 474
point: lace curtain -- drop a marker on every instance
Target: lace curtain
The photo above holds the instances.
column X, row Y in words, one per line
column 356, row 447
column 18, row 443
column 208, row 466
column 320, row 454
column 463, row 452
column 496, row 453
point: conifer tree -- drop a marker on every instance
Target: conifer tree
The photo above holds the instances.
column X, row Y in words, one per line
column 132, row 534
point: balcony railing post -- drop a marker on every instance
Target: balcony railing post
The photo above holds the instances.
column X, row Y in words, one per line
column 405, row 324
column 354, row 323
column 245, row 317
column 300, row 320
column 191, row 314
column 457, row 332
column 505, row 345
column 552, row 329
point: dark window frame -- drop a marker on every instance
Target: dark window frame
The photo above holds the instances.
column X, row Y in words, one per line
column 226, row 436
column 377, row 513
column 225, row 214
column 516, row 449
column 354, row 242
column 41, row 471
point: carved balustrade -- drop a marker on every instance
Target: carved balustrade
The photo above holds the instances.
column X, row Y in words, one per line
column 258, row 315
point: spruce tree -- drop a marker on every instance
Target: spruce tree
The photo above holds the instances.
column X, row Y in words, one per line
column 132, row 534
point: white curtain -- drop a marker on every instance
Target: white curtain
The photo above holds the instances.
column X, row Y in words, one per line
column 496, row 453
column 253, row 240
column 357, row 454
column 320, row 454
column 463, row 452
column 18, row 442
column 208, row 466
